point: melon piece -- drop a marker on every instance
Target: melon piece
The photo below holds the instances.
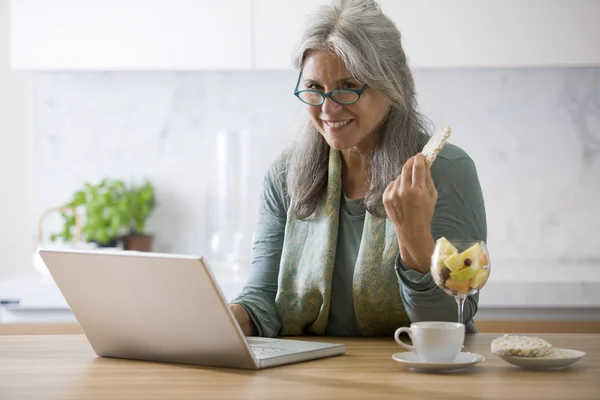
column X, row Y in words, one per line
column 474, row 253
column 465, row 274
column 480, row 278
column 483, row 260
column 473, row 256
column 445, row 247
column 455, row 262
column 461, row 287
column 444, row 250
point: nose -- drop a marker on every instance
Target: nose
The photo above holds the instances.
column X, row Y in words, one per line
column 330, row 107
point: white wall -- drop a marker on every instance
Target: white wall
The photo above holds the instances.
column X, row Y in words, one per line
column 533, row 133
column 16, row 213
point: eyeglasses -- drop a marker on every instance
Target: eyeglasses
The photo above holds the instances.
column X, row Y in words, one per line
column 340, row 96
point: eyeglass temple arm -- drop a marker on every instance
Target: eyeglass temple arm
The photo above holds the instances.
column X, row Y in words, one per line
column 298, row 82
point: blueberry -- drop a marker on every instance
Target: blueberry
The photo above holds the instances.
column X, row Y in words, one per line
column 468, row 262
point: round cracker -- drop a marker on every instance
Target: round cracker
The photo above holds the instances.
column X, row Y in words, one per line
column 520, row 346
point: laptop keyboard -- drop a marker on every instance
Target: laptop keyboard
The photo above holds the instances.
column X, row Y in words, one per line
column 259, row 351
column 259, row 348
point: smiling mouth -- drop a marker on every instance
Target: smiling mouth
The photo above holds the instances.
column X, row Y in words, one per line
column 337, row 124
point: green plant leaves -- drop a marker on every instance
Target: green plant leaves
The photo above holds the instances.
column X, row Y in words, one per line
column 111, row 210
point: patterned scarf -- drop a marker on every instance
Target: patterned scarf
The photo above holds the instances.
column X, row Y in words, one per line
column 304, row 295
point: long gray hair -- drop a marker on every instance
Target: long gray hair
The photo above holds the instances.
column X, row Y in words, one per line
column 369, row 45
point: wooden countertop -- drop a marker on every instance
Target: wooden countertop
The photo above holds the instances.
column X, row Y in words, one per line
column 65, row 367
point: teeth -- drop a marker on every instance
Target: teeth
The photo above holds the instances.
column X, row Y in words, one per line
column 338, row 124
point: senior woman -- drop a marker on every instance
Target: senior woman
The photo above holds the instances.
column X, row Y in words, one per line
column 349, row 215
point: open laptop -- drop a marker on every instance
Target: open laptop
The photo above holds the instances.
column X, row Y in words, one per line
column 164, row 307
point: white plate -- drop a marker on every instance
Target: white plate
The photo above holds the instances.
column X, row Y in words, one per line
column 559, row 358
column 462, row 362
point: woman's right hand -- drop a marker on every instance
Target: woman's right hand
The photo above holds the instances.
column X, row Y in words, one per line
column 243, row 319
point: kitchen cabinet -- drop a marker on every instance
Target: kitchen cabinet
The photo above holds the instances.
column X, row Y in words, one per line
column 261, row 34
column 278, row 25
column 130, row 34
column 457, row 33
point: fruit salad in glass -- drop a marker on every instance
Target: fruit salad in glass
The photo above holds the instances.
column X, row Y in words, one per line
column 460, row 268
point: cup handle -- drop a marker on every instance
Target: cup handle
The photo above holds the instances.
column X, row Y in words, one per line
column 400, row 342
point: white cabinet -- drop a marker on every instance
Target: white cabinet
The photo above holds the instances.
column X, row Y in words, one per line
column 278, row 25
column 498, row 33
column 130, row 34
column 457, row 33
column 261, row 34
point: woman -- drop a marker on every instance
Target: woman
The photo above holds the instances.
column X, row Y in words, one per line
column 349, row 216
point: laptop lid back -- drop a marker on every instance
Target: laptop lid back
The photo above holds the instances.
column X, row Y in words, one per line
column 149, row 306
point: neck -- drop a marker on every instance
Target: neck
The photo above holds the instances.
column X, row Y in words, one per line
column 358, row 158
column 356, row 167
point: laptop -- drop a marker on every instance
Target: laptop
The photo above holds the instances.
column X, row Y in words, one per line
column 165, row 308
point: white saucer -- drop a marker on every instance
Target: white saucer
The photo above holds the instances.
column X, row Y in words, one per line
column 462, row 362
column 558, row 358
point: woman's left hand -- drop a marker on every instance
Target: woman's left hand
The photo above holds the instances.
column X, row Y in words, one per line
column 409, row 202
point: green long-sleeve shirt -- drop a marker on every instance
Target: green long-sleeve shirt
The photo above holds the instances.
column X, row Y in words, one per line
column 459, row 213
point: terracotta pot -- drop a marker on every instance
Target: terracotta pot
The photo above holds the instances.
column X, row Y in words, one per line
column 138, row 242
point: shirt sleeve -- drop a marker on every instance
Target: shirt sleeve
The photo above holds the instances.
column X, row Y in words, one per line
column 459, row 213
column 258, row 295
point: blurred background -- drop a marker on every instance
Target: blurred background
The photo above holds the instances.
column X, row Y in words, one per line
column 181, row 106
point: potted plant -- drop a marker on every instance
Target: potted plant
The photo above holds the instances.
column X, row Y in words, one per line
column 107, row 213
column 140, row 202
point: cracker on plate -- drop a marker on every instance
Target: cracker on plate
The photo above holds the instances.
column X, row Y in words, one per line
column 520, row 346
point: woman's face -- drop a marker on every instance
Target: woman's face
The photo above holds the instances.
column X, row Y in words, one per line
column 342, row 126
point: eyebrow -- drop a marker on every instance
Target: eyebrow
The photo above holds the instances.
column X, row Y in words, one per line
column 313, row 82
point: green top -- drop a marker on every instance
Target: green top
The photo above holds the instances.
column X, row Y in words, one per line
column 459, row 213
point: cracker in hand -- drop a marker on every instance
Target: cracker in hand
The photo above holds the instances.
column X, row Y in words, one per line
column 435, row 144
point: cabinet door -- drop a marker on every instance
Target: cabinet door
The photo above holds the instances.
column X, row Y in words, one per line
column 498, row 33
column 456, row 33
column 130, row 34
column 277, row 26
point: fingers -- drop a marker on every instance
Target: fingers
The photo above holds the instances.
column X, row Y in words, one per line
column 407, row 174
column 389, row 188
column 415, row 174
column 390, row 198
column 419, row 171
column 429, row 182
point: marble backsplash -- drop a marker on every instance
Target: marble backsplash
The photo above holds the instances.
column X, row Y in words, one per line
column 205, row 140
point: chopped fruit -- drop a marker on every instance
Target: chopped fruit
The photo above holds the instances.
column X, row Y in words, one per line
column 483, row 260
column 455, row 262
column 445, row 247
column 458, row 261
column 474, row 252
column 460, row 272
column 458, row 286
column 465, row 273
column 480, row 278
column 445, row 274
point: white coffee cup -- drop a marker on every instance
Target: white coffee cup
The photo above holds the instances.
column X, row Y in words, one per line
column 434, row 341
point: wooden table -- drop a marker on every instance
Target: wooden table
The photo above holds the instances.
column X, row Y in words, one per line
column 65, row 367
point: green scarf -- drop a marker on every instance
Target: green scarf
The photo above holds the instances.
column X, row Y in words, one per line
column 307, row 262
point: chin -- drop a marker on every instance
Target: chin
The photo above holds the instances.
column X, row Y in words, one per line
column 338, row 144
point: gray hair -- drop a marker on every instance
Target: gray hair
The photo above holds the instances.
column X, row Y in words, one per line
column 369, row 45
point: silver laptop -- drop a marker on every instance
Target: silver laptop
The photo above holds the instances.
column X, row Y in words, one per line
column 164, row 307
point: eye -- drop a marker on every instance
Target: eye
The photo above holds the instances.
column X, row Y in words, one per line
column 313, row 86
column 348, row 85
